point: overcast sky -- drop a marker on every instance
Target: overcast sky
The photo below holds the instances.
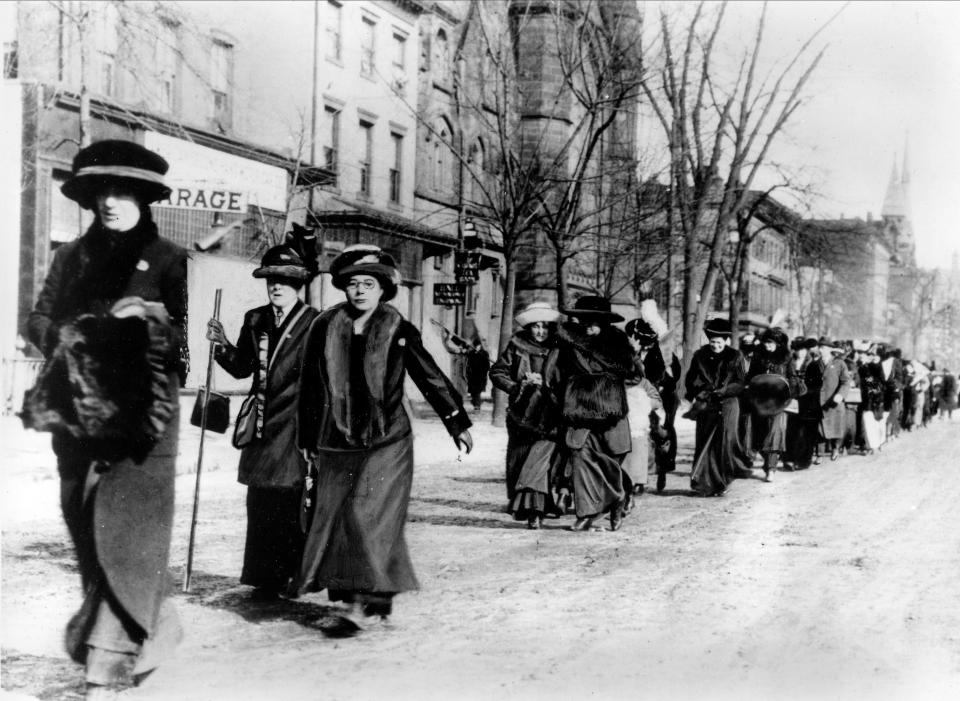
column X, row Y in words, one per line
column 891, row 72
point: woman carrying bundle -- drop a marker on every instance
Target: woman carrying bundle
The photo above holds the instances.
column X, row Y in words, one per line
column 773, row 382
column 595, row 361
column 714, row 383
column 527, row 371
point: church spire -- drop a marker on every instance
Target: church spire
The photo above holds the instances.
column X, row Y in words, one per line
column 893, row 203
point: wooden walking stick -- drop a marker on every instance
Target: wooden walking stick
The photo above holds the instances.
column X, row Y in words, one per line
column 203, row 426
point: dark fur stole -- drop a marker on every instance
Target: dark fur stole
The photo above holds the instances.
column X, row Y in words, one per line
column 106, row 385
column 596, row 368
column 100, row 267
column 380, row 332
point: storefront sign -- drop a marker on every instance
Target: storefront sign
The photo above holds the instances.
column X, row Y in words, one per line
column 449, row 294
column 205, row 178
column 197, row 197
column 467, row 266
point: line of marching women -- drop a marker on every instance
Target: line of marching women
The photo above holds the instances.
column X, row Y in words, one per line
column 590, row 412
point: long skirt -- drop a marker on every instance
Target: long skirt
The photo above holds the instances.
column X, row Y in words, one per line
column 770, row 433
column 274, row 540
column 874, row 430
column 893, row 418
column 120, row 518
column 534, row 495
column 718, row 453
column 519, row 443
column 355, row 543
column 852, row 427
column 919, row 401
column 595, row 471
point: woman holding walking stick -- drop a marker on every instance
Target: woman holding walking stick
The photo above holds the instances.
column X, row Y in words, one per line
column 116, row 297
column 269, row 347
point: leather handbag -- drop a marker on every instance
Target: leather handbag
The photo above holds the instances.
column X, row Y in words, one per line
column 245, row 429
column 218, row 411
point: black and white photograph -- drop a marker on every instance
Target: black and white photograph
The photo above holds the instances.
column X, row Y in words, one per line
column 494, row 350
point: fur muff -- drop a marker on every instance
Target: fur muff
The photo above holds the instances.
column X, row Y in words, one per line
column 596, row 368
column 106, row 385
column 595, row 400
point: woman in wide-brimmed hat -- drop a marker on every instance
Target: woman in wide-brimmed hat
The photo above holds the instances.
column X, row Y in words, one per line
column 269, row 347
column 714, row 383
column 772, row 383
column 356, row 432
column 527, row 372
column 118, row 291
column 595, row 362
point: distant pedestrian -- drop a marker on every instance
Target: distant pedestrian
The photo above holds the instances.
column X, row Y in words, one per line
column 113, row 309
column 595, row 362
column 772, row 383
column 270, row 348
column 948, row 394
column 714, row 382
column 834, row 385
column 874, row 401
column 355, row 429
column 646, row 333
column 527, row 372
column 475, row 365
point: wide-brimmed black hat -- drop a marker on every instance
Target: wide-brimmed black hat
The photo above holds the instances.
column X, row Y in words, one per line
column 593, row 309
column 366, row 259
column 103, row 162
column 768, row 394
column 642, row 331
column 717, row 327
column 811, row 342
column 798, row 343
column 281, row 261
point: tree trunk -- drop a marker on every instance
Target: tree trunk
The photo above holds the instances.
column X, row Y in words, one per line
column 506, row 331
column 86, row 137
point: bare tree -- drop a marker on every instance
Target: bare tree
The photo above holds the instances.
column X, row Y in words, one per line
column 718, row 130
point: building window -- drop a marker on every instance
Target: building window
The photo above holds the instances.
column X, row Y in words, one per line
column 10, row 60
column 476, row 169
column 366, row 161
column 334, row 16
column 221, row 80
column 368, row 47
column 440, row 157
column 399, row 51
column 106, row 42
column 397, row 167
column 331, row 139
column 166, row 57
column 441, row 57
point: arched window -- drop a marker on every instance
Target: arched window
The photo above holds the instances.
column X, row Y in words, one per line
column 475, row 173
column 441, row 57
column 441, row 173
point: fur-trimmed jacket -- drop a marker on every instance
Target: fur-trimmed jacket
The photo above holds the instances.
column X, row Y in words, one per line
column 595, row 370
column 351, row 396
column 715, row 375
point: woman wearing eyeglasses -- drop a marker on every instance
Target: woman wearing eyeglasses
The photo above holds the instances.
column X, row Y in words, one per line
column 356, row 433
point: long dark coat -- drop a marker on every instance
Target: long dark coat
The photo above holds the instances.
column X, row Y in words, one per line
column 273, row 459
column 666, row 379
column 719, row 379
column 351, row 412
column 595, row 453
column 121, row 528
column 835, row 379
column 770, row 432
column 271, row 465
column 521, row 356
